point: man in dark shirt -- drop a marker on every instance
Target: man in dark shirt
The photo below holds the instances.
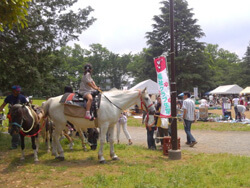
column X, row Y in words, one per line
column 12, row 99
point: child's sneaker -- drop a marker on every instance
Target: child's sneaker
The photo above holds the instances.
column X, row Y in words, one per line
column 88, row 117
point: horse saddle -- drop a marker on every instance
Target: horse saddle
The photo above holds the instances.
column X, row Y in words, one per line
column 75, row 104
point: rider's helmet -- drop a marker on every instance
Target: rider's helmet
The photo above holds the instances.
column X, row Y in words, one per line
column 88, row 67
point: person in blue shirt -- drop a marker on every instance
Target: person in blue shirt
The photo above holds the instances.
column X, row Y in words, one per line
column 12, row 99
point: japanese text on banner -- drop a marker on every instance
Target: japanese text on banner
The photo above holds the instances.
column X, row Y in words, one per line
column 163, row 85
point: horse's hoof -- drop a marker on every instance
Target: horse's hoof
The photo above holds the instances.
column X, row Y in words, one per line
column 22, row 158
column 36, row 160
column 103, row 162
column 60, row 158
column 116, row 159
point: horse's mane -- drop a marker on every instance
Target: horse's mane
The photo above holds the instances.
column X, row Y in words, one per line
column 118, row 94
column 115, row 92
column 113, row 89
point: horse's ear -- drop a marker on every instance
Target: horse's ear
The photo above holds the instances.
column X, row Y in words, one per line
column 143, row 91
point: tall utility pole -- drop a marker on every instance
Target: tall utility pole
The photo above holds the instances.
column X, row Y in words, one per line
column 173, row 154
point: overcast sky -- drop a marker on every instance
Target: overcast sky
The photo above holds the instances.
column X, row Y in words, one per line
column 121, row 24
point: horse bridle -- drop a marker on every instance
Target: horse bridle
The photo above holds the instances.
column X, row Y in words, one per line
column 143, row 103
column 20, row 125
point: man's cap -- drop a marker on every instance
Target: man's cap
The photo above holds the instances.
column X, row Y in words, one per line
column 16, row 88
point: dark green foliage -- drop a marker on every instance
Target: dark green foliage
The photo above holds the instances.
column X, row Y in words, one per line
column 224, row 65
column 244, row 77
column 13, row 13
column 110, row 69
column 38, row 59
column 189, row 61
column 26, row 55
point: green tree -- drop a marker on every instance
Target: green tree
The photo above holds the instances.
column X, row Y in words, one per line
column 189, row 59
column 13, row 12
column 98, row 57
column 70, row 70
column 245, row 69
column 110, row 69
column 29, row 56
column 139, row 68
column 117, row 69
column 224, row 65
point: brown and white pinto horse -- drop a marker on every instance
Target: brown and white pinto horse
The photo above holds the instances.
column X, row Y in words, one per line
column 25, row 121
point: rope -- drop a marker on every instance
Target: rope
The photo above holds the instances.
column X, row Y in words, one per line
column 35, row 133
column 159, row 116
column 33, row 122
column 110, row 100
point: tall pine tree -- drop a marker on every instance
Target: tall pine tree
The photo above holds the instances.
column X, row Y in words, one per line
column 191, row 67
column 245, row 69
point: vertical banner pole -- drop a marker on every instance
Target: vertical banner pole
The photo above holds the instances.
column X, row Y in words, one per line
column 173, row 82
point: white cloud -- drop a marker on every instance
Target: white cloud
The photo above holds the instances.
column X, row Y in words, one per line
column 225, row 22
column 121, row 25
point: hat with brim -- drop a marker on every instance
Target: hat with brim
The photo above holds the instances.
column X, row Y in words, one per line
column 16, row 88
column 181, row 95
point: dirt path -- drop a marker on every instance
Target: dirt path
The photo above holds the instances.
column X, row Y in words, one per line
column 233, row 142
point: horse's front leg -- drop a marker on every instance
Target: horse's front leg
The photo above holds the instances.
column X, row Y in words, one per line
column 37, row 141
column 103, row 131
column 22, row 146
column 111, row 142
column 35, row 148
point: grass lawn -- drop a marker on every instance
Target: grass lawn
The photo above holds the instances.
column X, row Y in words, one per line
column 199, row 125
column 138, row 167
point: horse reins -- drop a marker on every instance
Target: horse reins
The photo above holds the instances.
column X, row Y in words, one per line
column 20, row 125
column 36, row 132
column 143, row 103
column 110, row 100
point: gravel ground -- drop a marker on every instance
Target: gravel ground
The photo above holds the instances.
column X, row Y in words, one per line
column 233, row 142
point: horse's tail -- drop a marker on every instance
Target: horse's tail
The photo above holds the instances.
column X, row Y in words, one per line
column 46, row 106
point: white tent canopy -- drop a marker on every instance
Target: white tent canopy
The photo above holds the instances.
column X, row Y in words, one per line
column 245, row 91
column 152, row 87
column 227, row 89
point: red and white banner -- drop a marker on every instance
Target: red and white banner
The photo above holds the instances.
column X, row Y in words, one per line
column 163, row 85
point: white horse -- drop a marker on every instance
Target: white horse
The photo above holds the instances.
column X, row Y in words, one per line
column 112, row 104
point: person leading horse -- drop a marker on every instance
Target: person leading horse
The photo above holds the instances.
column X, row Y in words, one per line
column 15, row 98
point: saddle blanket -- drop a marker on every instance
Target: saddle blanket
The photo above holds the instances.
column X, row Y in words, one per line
column 73, row 105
